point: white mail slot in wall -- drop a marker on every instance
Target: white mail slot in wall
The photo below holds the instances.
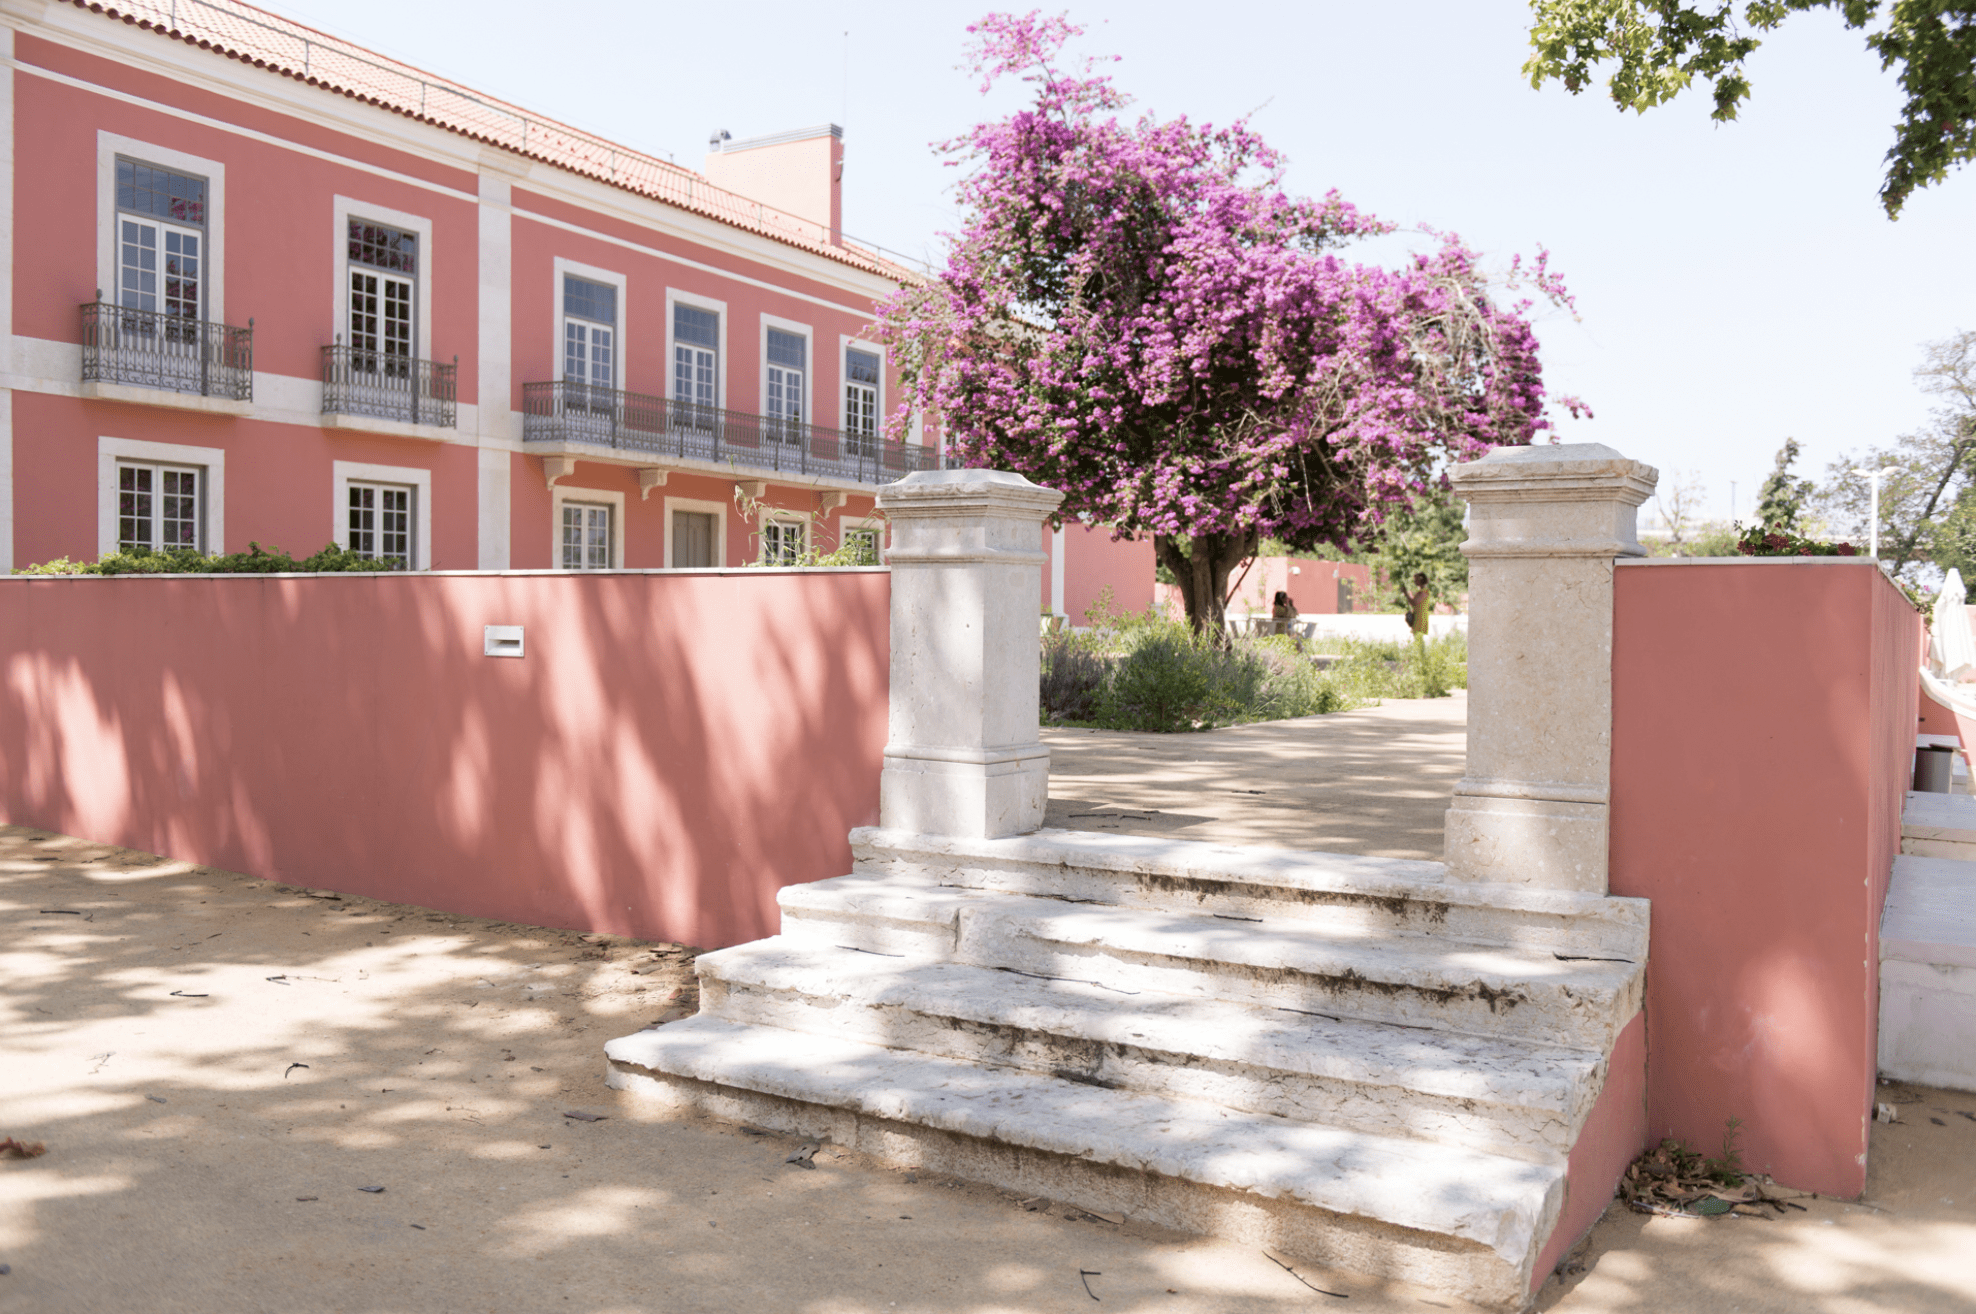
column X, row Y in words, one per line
column 502, row 641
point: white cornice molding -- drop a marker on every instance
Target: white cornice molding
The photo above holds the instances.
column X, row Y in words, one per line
column 274, row 92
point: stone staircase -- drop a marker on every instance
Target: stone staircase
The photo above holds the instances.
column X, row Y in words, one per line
column 1355, row 1061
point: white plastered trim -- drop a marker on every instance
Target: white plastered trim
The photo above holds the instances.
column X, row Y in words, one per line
column 345, row 473
column 808, row 336
column 108, row 146
column 109, row 451
column 496, row 490
column 346, row 208
column 619, row 338
column 719, row 512
column 676, row 297
column 845, row 345
column 595, row 497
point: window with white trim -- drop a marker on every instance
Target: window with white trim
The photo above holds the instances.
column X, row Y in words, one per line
column 161, row 240
column 587, row 536
column 788, row 357
column 695, row 535
column 383, row 291
column 864, row 542
column 381, row 517
column 695, row 356
column 783, row 542
column 590, row 332
column 160, row 506
column 861, row 400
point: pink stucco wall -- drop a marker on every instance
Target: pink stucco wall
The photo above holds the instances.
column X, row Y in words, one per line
column 275, row 257
column 1763, row 735
column 1311, row 582
column 1094, row 561
column 671, row 750
column 1612, row 1138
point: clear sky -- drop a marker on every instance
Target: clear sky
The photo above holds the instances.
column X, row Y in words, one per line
column 1738, row 284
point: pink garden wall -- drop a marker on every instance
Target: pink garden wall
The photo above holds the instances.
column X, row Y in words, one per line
column 671, row 750
column 1763, row 735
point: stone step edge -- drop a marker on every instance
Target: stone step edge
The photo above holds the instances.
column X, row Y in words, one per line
column 1469, row 1271
column 755, row 965
column 1508, row 1207
column 923, row 901
column 1199, row 860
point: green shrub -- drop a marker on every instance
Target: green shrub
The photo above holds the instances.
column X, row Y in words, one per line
column 1162, row 683
column 1074, row 671
column 256, row 560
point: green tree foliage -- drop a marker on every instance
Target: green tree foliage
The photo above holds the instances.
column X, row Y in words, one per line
column 1926, row 503
column 1660, row 47
column 1425, row 538
column 1780, row 502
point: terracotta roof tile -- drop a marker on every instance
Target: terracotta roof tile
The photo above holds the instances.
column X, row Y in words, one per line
column 280, row 45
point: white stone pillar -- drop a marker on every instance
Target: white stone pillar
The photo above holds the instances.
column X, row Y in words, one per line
column 1545, row 525
column 963, row 756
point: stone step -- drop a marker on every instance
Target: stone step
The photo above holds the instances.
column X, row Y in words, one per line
column 1524, row 1100
column 1443, row 1216
column 1578, row 1001
column 1939, row 826
column 1373, row 896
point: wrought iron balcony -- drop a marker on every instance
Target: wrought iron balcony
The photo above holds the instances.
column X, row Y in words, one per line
column 641, row 425
column 149, row 349
column 387, row 387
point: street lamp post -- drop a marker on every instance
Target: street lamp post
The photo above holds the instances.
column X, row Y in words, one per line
column 1874, row 530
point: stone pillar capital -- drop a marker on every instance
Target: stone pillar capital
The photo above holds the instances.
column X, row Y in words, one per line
column 963, row 755
column 1545, row 525
column 1563, row 500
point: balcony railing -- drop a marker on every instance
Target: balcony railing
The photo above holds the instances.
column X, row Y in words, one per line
column 387, row 387
column 654, row 426
column 148, row 349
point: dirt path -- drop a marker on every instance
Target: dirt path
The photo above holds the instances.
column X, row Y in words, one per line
column 192, row 1166
column 1374, row 781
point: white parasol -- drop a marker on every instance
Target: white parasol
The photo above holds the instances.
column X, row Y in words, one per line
column 1950, row 645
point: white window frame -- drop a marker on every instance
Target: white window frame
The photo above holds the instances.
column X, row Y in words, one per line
column 345, row 473
column 845, row 345
column 595, row 275
column 345, row 209
column 109, row 146
column 808, row 335
column 787, row 517
column 723, row 363
column 559, row 495
column 110, row 452
column 850, row 524
column 719, row 512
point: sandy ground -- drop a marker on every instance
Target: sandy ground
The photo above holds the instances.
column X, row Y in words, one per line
column 1375, row 781
column 154, row 1015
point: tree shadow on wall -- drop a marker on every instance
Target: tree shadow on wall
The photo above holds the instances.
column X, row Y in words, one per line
column 669, row 751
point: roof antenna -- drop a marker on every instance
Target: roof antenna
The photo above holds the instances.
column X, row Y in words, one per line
column 841, row 122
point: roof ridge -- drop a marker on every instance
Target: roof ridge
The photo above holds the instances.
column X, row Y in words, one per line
column 257, row 36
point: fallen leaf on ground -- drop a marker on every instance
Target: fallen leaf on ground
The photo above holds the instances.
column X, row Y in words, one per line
column 581, row 1116
column 13, row 1149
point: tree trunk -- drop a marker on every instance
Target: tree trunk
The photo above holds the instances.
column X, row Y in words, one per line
column 1202, row 564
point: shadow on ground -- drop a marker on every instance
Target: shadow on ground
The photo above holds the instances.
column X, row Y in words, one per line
column 219, row 1065
column 1375, row 781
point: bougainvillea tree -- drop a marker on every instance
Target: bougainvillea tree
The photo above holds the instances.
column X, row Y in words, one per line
column 1138, row 314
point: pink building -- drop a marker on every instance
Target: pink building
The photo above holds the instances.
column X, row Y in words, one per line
column 265, row 285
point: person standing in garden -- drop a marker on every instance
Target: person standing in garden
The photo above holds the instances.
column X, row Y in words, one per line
column 1282, row 614
column 1420, row 605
